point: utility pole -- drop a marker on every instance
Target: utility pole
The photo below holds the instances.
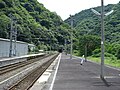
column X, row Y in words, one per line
column 86, row 52
column 13, row 36
column 65, row 47
column 50, row 42
column 71, row 46
column 86, row 46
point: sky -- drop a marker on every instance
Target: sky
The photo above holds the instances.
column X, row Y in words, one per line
column 65, row 8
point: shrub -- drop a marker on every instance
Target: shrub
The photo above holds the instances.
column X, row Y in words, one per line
column 36, row 50
column 111, row 56
column 76, row 52
column 118, row 54
column 96, row 51
column 2, row 4
column 96, row 55
column 108, row 54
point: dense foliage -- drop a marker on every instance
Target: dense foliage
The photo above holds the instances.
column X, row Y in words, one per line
column 90, row 42
column 87, row 23
column 35, row 23
column 45, row 29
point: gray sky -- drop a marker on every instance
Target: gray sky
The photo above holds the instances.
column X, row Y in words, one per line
column 66, row 7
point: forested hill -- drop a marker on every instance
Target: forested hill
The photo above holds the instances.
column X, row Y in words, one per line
column 34, row 22
column 87, row 22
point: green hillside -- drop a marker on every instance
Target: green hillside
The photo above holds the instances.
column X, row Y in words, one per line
column 37, row 25
column 87, row 22
column 88, row 29
column 34, row 22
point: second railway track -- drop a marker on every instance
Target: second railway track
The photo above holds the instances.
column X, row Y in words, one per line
column 15, row 73
column 29, row 80
column 14, row 66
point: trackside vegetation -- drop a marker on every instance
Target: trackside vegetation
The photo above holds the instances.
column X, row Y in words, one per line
column 47, row 31
column 88, row 27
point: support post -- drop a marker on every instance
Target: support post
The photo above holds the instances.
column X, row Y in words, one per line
column 11, row 34
column 102, row 40
column 71, row 46
column 85, row 52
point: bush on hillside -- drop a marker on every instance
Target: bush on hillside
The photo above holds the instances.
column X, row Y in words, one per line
column 96, row 51
column 118, row 54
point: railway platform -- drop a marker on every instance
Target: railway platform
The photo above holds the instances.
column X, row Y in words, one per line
column 70, row 75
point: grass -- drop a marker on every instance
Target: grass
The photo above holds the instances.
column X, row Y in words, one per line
column 108, row 61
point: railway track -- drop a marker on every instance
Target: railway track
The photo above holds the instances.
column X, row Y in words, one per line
column 12, row 67
column 30, row 79
column 15, row 74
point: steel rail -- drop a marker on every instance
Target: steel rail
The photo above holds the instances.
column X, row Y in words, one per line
column 12, row 67
column 28, row 81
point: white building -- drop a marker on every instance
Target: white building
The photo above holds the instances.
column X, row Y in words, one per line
column 21, row 48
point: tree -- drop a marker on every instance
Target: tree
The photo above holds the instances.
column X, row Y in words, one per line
column 90, row 41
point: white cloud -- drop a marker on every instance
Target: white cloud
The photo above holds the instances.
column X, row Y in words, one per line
column 66, row 7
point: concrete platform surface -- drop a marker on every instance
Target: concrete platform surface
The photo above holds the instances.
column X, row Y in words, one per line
column 73, row 76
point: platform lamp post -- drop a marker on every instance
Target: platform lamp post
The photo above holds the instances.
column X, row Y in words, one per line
column 102, row 40
column 102, row 14
column 71, row 38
